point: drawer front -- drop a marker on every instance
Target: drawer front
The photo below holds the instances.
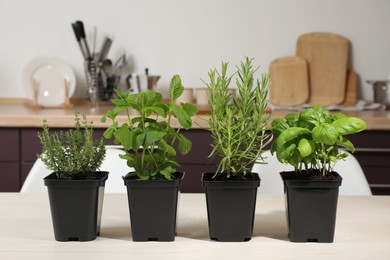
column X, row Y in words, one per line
column 371, row 139
column 9, row 177
column 201, row 148
column 9, row 145
column 30, row 144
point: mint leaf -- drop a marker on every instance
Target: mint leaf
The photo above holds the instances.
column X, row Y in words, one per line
column 175, row 87
column 124, row 136
column 182, row 116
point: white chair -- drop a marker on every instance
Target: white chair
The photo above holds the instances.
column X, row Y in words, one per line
column 354, row 180
column 112, row 163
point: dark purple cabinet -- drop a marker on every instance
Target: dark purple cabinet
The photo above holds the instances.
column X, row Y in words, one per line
column 9, row 159
column 373, row 154
column 19, row 147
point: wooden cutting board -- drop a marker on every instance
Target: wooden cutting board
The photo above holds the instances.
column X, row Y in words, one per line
column 351, row 89
column 327, row 56
column 289, row 81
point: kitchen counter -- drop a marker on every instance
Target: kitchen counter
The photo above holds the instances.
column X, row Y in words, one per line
column 19, row 143
column 15, row 114
column 27, row 233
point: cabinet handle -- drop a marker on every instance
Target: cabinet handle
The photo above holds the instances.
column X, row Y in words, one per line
column 373, row 150
column 380, row 186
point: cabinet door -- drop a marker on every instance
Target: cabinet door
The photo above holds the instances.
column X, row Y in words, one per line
column 9, row 177
column 30, row 144
column 9, row 160
column 201, row 147
column 373, row 153
column 9, row 145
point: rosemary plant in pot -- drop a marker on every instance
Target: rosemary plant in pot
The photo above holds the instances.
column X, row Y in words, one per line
column 239, row 136
column 310, row 142
column 75, row 188
column 150, row 142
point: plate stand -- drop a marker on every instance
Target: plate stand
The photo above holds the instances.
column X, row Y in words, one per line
column 33, row 104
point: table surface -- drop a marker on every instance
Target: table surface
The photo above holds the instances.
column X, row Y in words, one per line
column 362, row 232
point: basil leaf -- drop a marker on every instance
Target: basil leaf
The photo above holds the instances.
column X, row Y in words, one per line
column 349, row 125
column 344, row 142
column 290, row 134
column 325, row 134
column 305, row 147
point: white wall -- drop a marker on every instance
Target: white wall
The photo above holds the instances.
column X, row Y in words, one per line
column 189, row 37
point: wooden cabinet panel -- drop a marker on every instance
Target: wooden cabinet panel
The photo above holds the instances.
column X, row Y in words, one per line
column 9, row 145
column 9, row 176
column 201, row 148
column 371, row 139
column 30, row 144
column 373, row 154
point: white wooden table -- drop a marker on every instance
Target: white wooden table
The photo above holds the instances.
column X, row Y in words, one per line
column 362, row 232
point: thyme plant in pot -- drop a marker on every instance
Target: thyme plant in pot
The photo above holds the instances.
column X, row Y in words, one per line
column 239, row 136
column 75, row 187
column 310, row 142
column 150, row 143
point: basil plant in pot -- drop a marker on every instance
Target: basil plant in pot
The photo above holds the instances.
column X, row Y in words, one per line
column 239, row 137
column 75, row 187
column 310, row 142
column 150, row 142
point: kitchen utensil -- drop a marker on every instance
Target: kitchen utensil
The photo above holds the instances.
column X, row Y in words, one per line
column 94, row 41
column 107, row 67
column 327, row 56
column 105, row 48
column 351, row 89
column 119, row 64
column 289, row 81
column 49, row 74
column 76, row 29
column 92, row 80
column 142, row 82
column 83, row 38
column 381, row 91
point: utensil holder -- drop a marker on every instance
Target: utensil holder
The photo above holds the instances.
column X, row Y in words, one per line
column 100, row 86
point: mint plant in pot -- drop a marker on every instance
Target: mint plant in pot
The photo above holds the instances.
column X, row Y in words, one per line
column 310, row 142
column 150, row 143
column 75, row 187
column 239, row 137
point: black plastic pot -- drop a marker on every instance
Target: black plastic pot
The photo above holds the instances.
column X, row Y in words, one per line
column 76, row 206
column 230, row 207
column 153, row 208
column 311, row 207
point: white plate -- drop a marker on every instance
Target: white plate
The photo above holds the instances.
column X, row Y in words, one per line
column 49, row 74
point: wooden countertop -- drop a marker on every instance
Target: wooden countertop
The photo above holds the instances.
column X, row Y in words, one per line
column 15, row 114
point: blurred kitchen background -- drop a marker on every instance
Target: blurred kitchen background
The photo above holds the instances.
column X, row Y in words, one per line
column 188, row 37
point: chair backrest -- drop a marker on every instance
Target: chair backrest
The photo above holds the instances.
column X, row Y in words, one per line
column 354, row 180
column 116, row 167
